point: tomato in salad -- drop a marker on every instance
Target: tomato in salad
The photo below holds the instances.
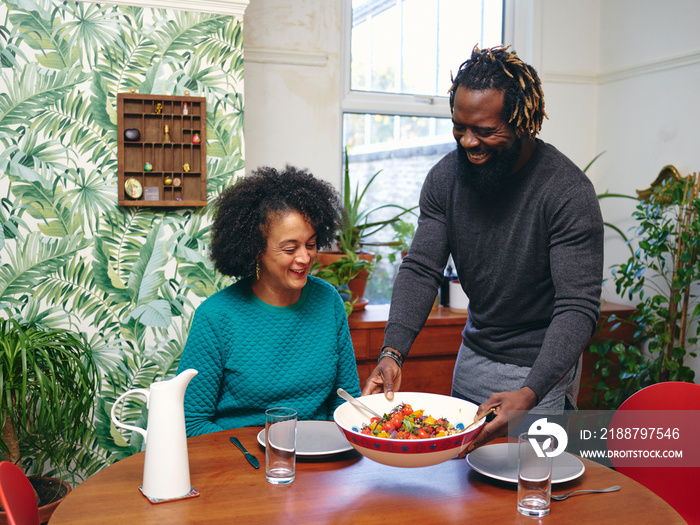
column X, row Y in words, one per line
column 405, row 423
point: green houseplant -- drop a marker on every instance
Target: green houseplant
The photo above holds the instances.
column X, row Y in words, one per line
column 349, row 268
column 357, row 226
column 48, row 383
column 341, row 270
column 664, row 274
column 403, row 236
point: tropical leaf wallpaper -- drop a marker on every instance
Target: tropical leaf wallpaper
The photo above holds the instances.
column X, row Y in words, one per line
column 130, row 278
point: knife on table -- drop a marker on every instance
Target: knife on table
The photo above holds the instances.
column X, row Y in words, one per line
column 250, row 457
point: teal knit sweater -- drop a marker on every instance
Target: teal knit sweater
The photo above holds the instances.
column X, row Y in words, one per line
column 251, row 356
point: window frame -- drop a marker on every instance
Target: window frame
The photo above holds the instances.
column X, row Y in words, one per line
column 393, row 103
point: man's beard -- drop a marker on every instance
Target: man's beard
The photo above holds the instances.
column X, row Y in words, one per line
column 492, row 177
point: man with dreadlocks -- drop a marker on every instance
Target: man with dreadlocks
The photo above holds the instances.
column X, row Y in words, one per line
column 524, row 228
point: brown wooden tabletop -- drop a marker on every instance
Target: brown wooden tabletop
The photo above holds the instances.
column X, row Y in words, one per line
column 346, row 488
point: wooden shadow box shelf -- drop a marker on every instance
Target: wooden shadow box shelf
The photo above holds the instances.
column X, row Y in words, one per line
column 165, row 165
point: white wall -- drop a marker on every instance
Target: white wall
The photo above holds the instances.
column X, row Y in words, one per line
column 648, row 109
column 568, row 54
column 292, row 111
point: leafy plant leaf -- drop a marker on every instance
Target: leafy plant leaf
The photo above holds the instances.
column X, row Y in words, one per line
column 31, row 261
column 147, row 274
column 32, row 90
column 156, row 313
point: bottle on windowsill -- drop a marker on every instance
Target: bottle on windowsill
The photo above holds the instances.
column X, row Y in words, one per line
column 445, row 286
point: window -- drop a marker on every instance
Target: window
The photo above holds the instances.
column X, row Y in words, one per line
column 397, row 59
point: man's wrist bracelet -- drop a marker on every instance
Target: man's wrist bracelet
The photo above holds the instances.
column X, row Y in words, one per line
column 388, row 353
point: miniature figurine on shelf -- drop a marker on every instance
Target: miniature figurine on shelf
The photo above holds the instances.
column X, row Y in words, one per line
column 168, row 180
column 159, row 108
column 186, row 167
column 196, row 139
column 148, row 166
column 185, row 110
column 166, row 134
column 132, row 134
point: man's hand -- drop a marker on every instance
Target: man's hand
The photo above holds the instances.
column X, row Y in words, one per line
column 386, row 377
column 524, row 399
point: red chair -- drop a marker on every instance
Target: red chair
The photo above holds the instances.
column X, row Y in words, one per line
column 17, row 496
column 678, row 485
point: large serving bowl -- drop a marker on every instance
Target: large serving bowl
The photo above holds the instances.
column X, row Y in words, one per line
column 414, row 452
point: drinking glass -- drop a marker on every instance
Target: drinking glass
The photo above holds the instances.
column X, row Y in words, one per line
column 534, row 473
column 280, row 445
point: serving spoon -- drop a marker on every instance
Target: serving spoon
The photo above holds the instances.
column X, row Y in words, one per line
column 562, row 497
column 357, row 404
column 482, row 416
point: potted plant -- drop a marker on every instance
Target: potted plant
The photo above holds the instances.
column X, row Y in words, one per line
column 354, row 264
column 664, row 273
column 341, row 271
column 48, row 382
column 403, row 236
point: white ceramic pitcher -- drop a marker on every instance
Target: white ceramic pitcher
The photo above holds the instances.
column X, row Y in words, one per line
column 166, row 469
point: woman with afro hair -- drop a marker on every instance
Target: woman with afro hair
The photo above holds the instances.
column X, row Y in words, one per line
column 277, row 336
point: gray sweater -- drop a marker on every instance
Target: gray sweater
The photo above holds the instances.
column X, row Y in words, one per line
column 530, row 261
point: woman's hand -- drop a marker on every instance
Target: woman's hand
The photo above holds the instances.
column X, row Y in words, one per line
column 386, row 377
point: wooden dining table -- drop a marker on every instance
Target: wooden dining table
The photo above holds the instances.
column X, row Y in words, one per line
column 344, row 488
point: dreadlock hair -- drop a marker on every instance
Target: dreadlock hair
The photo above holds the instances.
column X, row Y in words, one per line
column 500, row 69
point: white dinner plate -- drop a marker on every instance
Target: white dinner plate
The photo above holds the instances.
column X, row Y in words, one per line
column 316, row 438
column 500, row 461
